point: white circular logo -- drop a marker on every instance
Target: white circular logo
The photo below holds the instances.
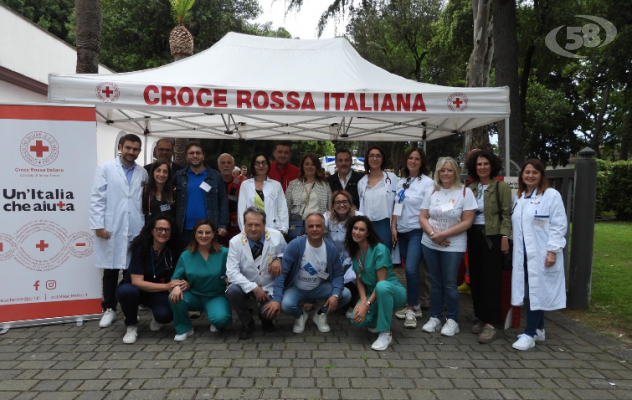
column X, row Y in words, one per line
column 39, row 148
column 107, row 92
column 457, row 102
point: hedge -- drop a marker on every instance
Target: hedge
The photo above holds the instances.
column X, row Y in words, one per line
column 614, row 189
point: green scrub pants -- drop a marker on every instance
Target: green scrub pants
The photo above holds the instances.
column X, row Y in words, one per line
column 390, row 297
column 217, row 309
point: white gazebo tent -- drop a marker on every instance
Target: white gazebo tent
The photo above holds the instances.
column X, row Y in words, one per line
column 259, row 88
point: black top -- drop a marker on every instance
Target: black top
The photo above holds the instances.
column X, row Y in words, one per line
column 157, row 207
column 352, row 186
column 174, row 168
column 155, row 268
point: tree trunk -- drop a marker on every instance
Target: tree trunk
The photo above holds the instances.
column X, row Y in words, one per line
column 179, row 149
column 595, row 140
column 479, row 66
column 88, row 19
column 627, row 134
column 507, row 75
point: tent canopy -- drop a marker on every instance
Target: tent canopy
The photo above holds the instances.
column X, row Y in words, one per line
column 249, row 87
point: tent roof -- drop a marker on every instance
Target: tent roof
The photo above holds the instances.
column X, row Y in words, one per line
column 249, row 87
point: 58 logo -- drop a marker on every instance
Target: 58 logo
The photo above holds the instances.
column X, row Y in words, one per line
column 578, row 36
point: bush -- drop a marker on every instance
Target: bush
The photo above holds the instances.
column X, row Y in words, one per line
column 619, row 190
column 604, row 170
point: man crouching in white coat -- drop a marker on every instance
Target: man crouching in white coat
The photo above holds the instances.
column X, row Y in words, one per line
column 116, row 216
column 254, row 260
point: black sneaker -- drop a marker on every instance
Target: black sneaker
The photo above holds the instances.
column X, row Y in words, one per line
column 247, row 330
column 267, row 325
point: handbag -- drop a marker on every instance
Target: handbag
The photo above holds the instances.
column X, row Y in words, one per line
column 506, row 258
column 296, row 229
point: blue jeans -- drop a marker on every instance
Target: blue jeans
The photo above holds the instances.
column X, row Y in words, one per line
column 444, row 269
column 293, row 296
column 383, row 229
column 535, row 319
column 410, row 249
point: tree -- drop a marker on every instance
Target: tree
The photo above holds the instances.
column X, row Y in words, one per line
column 88, row 15
column 51, row 15
column 180, row 39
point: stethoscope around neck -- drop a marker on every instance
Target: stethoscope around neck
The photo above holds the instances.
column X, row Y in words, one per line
column 169, row 264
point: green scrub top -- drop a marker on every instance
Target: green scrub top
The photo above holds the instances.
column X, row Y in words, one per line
column 377, row 257
column 206, row 277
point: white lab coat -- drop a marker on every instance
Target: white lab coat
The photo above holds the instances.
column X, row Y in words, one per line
column 247, row 273
column 540, row 223
column 273, row 199
column 116, row 206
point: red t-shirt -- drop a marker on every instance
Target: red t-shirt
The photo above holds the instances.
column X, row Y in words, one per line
column 283, row 176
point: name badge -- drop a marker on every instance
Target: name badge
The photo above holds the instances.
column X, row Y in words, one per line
column 205, row 186
column 165, row 207
column 399, row 208
column 447, row 207
column 323, row 275
column 540, row 221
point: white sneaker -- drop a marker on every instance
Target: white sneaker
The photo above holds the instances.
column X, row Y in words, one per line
column 450, row 328
column 184, row 336
column 107, row 318
column 154, row 325
column 411, row 321
column 349, row 313
column 130, row 335
column 382, row 341
column 401, row 314
column 433, row 325
column 321, row 322
column 214, row 329
column 299, row 323
column 540, row 335
column 524, row 342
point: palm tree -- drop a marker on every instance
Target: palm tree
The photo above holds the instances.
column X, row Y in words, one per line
column 88, row 20
column 180, row 39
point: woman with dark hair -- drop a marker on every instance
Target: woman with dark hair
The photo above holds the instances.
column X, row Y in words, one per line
column 406, row 230
column 203, row 265
column 379, row 289
column 158, row 193
column 310, row 192
column 539, row 232
column 377, row 192
column 336, row 218
column 147, row 281
column 487, row 241
column 265, row 193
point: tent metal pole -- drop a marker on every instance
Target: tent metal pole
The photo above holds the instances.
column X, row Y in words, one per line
column 507, row 148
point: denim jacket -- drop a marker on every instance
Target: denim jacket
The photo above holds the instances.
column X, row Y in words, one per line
column 215, row 199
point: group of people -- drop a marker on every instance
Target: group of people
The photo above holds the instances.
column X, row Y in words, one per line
column 203, row 240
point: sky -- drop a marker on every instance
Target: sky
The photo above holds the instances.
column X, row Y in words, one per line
column 302, row 24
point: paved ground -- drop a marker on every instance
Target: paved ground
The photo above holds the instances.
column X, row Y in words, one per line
column 70, row 362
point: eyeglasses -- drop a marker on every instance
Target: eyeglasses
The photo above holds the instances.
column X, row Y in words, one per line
column 194, row 153
column 260, row 163
column 204, row 233
column 341, row 203
column 377, row 156
column 446, row 171
column 162, row 230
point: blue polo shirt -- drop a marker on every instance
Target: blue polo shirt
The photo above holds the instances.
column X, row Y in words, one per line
column 129, row 172
column 196, row 203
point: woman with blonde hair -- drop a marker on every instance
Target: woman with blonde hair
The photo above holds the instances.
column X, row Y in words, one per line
column 447, row 213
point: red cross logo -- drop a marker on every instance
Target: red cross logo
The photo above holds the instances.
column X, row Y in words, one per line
column 458, row 102
column 39, row 149
column 42, row 245
column 1, row 249
column 107, row 92
column 61, row 204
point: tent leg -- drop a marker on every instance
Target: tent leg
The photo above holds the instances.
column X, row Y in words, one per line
column 507, row 148
column 425, row 150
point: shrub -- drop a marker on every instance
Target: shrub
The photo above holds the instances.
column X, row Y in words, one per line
column 619, row 190
column 604, row 170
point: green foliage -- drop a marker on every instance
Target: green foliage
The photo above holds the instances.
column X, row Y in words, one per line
column 50, row 15
column 180, row 10
column 620, row 190
column 604, row 170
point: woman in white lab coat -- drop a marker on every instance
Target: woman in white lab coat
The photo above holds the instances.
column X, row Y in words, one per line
column 265, row 193
column 539, row 229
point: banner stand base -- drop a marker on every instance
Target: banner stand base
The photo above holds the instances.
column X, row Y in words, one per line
column 78, row 319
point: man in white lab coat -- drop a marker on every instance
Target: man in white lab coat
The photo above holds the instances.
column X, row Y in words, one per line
column 116, row 216
column 254, row 260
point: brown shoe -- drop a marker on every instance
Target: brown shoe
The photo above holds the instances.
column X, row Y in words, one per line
column 477, row 328
column 488, row 335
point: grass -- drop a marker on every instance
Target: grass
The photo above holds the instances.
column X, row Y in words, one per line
column 610, row 309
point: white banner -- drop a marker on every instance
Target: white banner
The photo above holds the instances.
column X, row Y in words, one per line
column 47, row 162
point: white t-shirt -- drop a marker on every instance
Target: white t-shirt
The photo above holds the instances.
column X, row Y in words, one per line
column 479, row 219
column 314, row 260
column 445, row 208
column 411, row 205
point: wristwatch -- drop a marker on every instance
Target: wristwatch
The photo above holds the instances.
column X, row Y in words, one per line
column 368, row 303
column 336, row 296
column 432, row 233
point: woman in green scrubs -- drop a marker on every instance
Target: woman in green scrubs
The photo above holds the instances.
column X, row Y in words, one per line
column 379, row 289
column 203, row 265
